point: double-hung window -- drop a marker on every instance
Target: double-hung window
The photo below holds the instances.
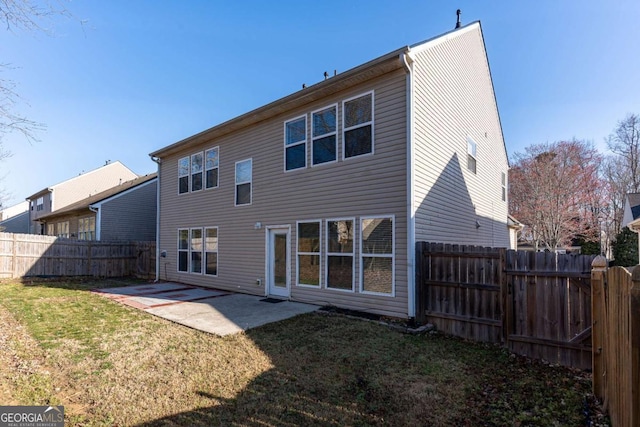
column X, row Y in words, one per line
column 339, row 265
column 211, row 165
column 62, row 229
column 183, row 175
column 472, row 149
column 308, row 253
column 377, row 255
column 323, row 129
column 40, row 204
column 211, row 251
column 295, row 143
column 195, row 248
column 87, row 228
column 244, row 176
column 358, row 126
column 196, row 172
column 183, row 250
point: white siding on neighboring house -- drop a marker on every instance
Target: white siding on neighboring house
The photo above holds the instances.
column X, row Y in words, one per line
column 454, row 104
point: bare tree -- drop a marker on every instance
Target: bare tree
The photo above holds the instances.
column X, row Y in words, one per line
column 555, row 189
column 25, row 15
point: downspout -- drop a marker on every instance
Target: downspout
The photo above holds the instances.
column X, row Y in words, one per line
column 158, row 161
column 411, row 215
column 98, row 221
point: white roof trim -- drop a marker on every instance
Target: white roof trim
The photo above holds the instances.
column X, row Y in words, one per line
column 428, row 44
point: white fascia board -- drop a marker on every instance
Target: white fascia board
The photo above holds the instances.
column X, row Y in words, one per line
column 428, row 44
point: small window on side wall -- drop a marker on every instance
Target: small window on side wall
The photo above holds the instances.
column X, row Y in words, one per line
column 358, row 126
column 244, row 177
column 471, row 155
column 504, row 187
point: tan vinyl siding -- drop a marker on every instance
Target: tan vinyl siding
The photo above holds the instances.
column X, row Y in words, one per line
column 131, row 215
column 454, row 99
column 362, row 186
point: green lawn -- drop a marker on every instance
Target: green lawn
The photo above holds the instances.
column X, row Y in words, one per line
column 109, row 364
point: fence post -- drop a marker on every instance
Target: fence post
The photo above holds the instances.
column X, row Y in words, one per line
column 504, row 298
column 634, row 329
column 419, row 286
column 598, row 322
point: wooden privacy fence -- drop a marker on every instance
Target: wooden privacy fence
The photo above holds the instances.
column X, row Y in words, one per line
column 23, row 255
column 616, row 341
column 537, row 304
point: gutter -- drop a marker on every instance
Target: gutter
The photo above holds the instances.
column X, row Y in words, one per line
column 158, row 161
column 98, row 220
column 411, row 214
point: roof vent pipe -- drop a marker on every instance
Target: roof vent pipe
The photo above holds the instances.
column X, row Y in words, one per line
column 458, row 13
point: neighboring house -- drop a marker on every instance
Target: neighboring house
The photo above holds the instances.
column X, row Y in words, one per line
column 515, row 227
column 322, row 195
column 125, row 212
column 72, row 190
column 15, row 219
column 631, row 217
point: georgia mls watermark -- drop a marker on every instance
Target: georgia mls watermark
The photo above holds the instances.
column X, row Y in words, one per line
column 31, row 416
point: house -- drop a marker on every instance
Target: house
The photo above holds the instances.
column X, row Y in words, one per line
column 515, row 227
column 124, row 212
column 321, row 196
column 58, row 196
column 631, row 216
column 15, row 219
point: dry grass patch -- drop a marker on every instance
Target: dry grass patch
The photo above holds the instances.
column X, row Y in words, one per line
column 113, row 365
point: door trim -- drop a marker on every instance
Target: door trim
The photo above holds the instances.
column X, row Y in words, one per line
column 268, row 231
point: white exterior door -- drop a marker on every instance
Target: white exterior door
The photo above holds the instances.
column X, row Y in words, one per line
column 278, row 262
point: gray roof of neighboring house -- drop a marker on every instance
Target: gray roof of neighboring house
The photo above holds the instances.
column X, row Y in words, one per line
column 634, row 204
column 85, row 203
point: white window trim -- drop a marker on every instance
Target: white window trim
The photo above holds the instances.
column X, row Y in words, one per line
column 201, row 252
column 191, row 173
column 183, row 250
column 319, row 253
column 305, row 142
column 236, row 183
column 204, row 251
column 204, row 176
column 188, row 175
column 503, row 182
column 334, row 133
column 393, row 256
column 372, row 122
column 471, row 141
column 327, row 254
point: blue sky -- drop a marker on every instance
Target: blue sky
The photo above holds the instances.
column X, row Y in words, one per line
column 138, row 75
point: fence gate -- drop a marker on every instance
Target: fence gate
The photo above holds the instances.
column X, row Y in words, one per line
column 548, row 306
column 538, row 304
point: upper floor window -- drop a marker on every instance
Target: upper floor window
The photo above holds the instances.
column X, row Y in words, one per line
column 323, row 129
column 212, row 163
column 358, row 126
column 40, row 203
column 295, row 143
column 471, row 154
column 244, row 176
column 196, row 172
column 183, row 175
